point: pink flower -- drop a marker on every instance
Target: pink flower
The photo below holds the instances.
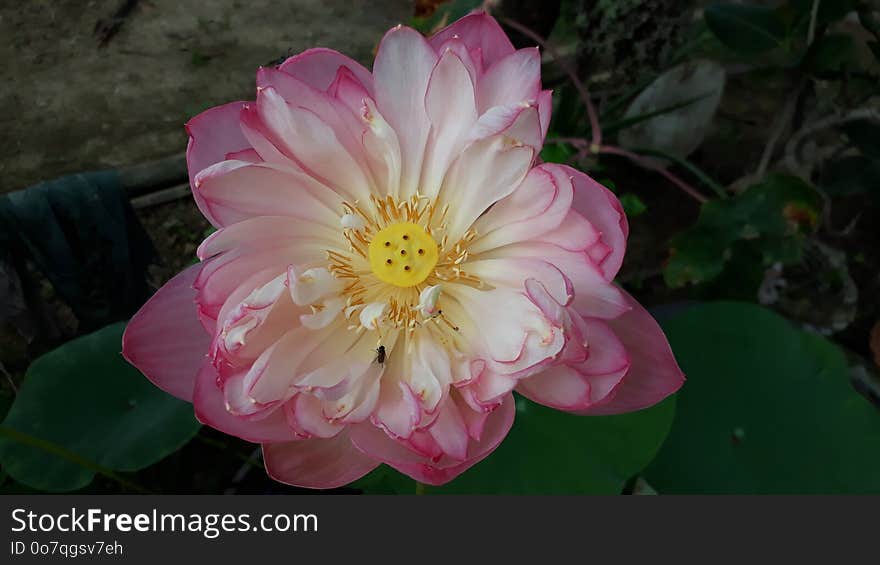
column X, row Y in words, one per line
column 392, row 261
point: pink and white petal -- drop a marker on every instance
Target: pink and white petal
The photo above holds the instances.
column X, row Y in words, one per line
column 260, row 138
column 473, row 64
column 210, row 409
column 514, row 79
column 265, row 232
column 480, row 31
column 519, row 123
column 450, row 102
column 273, row 375
column 236, row 190
column 398, row 410
column 574, row 233
column 349, row 91
column 545, row 111
column 317, row 463
column 213, row 134
column 601, row 207
column 512, row 273
column 516, row 334
column 486, row 392
column 353, row 355
column 165, row 339
column 256, row 322
column 223, row 274
column 450, row 431
column 538, row 205
column 360, row 401
column 653, row 374
column 560, row 387
column 607, row 354
column 382, row 146
column 403, row 66
column 304, row 413
column 474, row 420
column 347, row 126
column 319, row 66
column 484, row 173
column 430, row 374
column 374, row 443
column 237, row 401
column 594, row 296
column 250, row 155
column 583, row 386
column 301, row 135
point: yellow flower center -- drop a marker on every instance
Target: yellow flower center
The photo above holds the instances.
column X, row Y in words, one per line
column 403, row 254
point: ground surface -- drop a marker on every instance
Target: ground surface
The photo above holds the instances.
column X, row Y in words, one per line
column 67, row 105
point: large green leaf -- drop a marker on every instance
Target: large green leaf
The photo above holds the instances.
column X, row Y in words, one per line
column 83, row 397
column 767, row 408
column 552, row 452
column 746, row 28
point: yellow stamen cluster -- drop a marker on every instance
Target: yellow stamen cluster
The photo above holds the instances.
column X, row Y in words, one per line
column 418, row 249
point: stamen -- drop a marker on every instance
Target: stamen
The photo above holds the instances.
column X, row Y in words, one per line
column 400, row 305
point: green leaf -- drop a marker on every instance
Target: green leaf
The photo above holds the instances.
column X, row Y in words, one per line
column 767, row 408
column 697, row 255
column 84, row 398
column 632, row 204
column 549, row 451
column 556, row 153
column 773, row 216
column 746, row 28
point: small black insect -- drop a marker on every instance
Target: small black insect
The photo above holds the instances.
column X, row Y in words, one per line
column 380, row 354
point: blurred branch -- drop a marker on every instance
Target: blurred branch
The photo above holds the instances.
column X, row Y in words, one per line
column 650, row 165
column 781, row 122
column 794, row 144
column 586, row 148
column 693, row 169
column 8, row 378
column 811, row 32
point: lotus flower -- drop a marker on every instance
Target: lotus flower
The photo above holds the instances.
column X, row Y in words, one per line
column 391, row 261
